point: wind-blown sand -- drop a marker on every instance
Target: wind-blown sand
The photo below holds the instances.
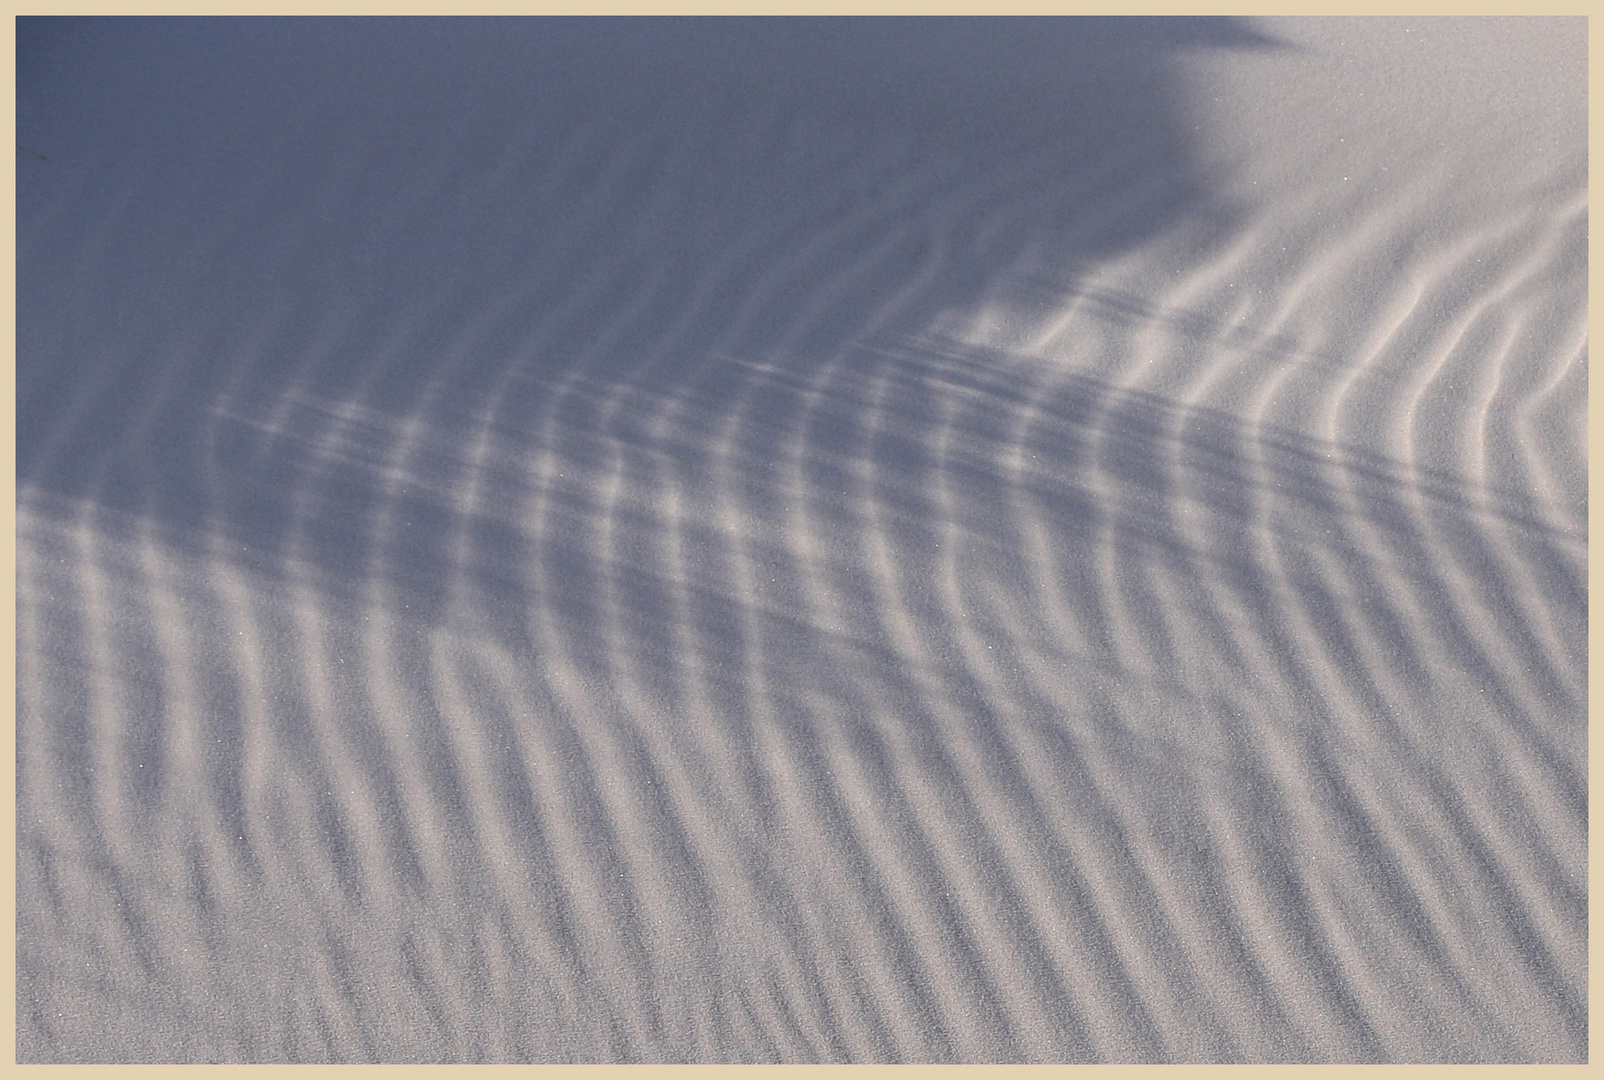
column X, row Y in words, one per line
column 709, row 542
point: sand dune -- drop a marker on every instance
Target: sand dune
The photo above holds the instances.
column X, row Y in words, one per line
column 1048, row 542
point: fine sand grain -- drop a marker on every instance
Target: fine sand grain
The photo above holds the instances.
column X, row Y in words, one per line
column 802, row 542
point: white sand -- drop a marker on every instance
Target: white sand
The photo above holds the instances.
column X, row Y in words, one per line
column 708, row 543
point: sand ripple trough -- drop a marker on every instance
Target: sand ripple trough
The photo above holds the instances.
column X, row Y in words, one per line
column 716, row 578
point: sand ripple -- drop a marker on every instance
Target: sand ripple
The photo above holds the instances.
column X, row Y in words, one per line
column 730, row 590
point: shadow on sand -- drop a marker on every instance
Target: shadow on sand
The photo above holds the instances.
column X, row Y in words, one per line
column 613, row 349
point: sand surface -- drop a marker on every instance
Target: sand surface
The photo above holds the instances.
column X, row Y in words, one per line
column 774, row 542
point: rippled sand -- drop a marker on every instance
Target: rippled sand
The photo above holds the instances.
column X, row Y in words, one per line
column 1049, row 543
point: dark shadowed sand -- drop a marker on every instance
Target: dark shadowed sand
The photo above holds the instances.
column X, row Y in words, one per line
column 1024, row 541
